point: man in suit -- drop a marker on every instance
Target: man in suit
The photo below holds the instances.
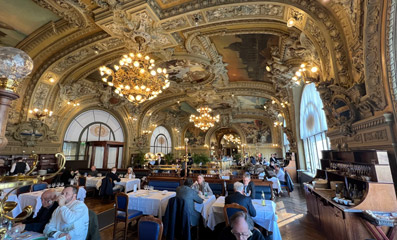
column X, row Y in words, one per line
column 190, row 196
column 239, row 198
column 114, row 178
column 38, row 223
column 273, row 160
column 249, row 186
column 19, row 167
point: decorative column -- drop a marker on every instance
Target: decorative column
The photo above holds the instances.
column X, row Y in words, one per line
column 15, row 64
column 6, row 97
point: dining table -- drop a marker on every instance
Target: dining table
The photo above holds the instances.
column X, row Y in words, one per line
column 34, row 198
column 129, row 184
column 150, row 202
column 266, row 216
column 204, row 207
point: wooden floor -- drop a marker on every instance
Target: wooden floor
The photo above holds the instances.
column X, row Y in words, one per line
column 293, row 221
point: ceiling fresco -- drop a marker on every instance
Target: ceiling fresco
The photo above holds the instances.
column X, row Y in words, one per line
column 186, row 71
column 247, row 102
column 246, row 55
column 19, row 18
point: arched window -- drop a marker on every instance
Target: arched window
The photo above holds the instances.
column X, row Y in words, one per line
column 160, row 141
column 285, row 139
column 87, row 133
column 313, row 127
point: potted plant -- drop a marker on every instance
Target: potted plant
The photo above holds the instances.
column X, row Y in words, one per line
column 139, row 160
column 200, row 158
column 169, row 157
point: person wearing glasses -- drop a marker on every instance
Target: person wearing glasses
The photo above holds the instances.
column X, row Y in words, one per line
column 37, row 224
column 241, row 228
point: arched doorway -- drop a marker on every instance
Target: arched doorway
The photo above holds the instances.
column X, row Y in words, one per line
column 96, row 137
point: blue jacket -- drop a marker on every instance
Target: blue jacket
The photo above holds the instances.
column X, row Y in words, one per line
column 243, row 201
column 176, row 220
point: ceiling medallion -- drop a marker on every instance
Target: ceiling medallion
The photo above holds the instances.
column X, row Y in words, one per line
column 204, row 121
column 136, row 78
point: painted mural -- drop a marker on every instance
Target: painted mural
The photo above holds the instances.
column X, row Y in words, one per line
column 246, row 55
column 256, row 131
column 196, row 136
column 186, row 71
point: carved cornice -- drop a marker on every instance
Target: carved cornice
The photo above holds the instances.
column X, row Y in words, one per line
column 372, row 52
column 391, row 47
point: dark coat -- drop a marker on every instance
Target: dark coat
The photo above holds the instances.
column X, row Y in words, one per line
column 114, row 177
column 93, row 227
column 250, row 187
column 243, row 201
column 190, row 196
column 228, row 235
column 177, row 220
column 106, row 187
column 289, row 182
column 19, row 167
column 93, row 173
column 38, row 223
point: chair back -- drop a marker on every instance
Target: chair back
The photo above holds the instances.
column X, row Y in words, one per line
column 263, row 186
column 24, row 189
column 82, row 181
column 39, row 187
column 230, row 209
column 150, row 228
column 122, row 202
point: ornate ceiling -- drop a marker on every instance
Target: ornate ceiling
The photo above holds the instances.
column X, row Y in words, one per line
column 216, row 53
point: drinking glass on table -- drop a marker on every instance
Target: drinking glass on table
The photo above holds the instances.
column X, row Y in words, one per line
column 145, row 187
column 53, row 185
column 62, row 184
column 58, row 184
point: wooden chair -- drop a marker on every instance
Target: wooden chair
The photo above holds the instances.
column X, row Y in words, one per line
column 82, row 183
column 150, row 227
column 38, row 187
column 123, row 214
column 230, row 209
column 285, row 186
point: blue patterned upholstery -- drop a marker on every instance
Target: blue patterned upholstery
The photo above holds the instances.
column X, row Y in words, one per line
column 148, row 230
column 164, row 185
column 231, row 211
column 131, row 214
column 266, row 190
column 39, row 187
column 122, row 202
column 216, row 188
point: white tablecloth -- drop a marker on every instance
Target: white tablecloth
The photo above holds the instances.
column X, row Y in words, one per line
column 265, row 215
column 13, row 198
column 93, row 182
column 150, row 202
column 130, row 184
column 34, row 198
column 204, row 208
column 276, row 183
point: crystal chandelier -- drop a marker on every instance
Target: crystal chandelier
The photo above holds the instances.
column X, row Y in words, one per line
column 204, row 121
column 231, row 138
column 136, row 78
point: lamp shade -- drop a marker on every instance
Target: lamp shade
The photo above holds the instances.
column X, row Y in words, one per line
column 14, row 63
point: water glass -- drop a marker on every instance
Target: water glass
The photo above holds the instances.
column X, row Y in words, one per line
column 58, row 184
column 62, row 184
column 53, row 185
column 145, row 187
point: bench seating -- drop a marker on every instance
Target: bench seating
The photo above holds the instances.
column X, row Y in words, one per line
column 165, row 183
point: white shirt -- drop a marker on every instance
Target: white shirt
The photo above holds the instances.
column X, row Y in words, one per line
column 281, row 175
column 71, row 218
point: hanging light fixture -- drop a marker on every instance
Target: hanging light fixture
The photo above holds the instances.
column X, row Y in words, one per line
column 232, row 138
column 204, row 121
column 136, row 78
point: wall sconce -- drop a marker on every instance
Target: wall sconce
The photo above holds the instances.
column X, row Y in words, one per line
column 278, row 123
column 146, row 132
column 73, row 104
column 39, row 114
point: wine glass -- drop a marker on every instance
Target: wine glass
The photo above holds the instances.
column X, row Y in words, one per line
column 62, row 184
column 58, row 184
column 53, row 185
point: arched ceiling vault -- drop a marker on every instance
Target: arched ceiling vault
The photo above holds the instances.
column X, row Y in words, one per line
column 215, row 52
